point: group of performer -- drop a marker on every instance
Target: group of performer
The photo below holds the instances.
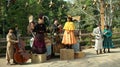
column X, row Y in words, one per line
column 103, row 39
column 68, row 39
column 38, row 30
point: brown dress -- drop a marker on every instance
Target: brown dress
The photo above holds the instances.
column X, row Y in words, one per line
column 11, row 40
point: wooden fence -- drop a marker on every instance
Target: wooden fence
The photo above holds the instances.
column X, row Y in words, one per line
column 89, row 39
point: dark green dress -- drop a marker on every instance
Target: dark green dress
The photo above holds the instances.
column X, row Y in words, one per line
column 107, row 42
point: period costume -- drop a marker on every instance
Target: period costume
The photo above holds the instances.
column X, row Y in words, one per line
column 30, row 27
column 55, row 29
column 48, row 47
column 56, row 39
column 11, row 41
column 39, row 46
column 98, row 38
column 107, row 42
column 68, row 36
column 55, row 32
column 76, row 47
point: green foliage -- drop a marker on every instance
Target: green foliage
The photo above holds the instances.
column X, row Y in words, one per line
column 91, row 14
column 87, row 15
column 18, row 12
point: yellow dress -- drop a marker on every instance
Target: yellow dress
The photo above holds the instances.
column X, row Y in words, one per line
column 68, row 36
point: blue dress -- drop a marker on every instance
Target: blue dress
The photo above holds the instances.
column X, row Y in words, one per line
column 107, row 42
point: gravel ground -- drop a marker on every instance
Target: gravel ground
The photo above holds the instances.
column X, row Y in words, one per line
column 90, row 60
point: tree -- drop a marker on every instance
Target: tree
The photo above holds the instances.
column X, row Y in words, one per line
column 116, row 13
column 90, row 12
column 84, row 9
column 18, row 12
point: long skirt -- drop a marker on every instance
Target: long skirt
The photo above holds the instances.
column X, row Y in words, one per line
column 39, row 46
column 107, row 43
column 9, row 52
column 69, row 38
column 98, row 44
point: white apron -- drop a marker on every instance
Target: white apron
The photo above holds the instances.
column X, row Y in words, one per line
column 98, row 38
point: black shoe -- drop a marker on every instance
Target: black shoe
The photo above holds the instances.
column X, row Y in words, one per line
column 109, row 52
column 15, row 62
column 104, row 50
column 97, row 52
column 100, row 51
column 48, row 57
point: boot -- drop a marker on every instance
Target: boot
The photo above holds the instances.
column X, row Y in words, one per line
column 14, row 62
column 8, row 62
column 100, row 51
column 104, row 50
column 67, row 46
column 97, row 52
column 108, row 50
column 48, row 57
column 70, row 46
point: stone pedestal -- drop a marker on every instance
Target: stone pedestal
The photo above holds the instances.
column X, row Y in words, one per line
column 66, row 54
column 38, row 58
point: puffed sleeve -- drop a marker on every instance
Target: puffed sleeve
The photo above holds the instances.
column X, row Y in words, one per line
column 94, row 32
column 69, row 26
column 108, row 34
column 9, row 39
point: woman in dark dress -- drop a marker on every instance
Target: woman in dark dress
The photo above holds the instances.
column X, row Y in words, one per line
column 39, row 42
column 107, row 42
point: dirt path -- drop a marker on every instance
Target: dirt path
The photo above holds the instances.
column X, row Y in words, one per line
column 90, row 60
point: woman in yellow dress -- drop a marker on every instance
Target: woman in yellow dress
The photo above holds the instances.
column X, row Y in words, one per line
column 69, row 36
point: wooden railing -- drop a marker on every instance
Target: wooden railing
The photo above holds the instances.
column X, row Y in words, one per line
column 86, row 35
column 3, row 44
